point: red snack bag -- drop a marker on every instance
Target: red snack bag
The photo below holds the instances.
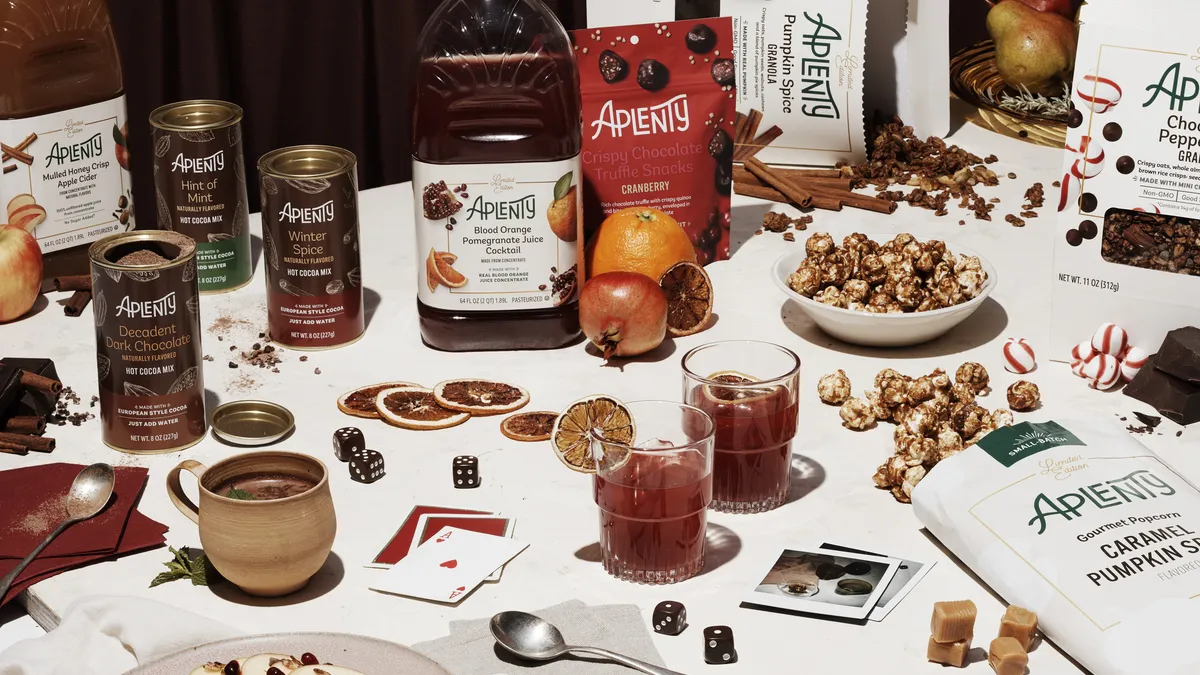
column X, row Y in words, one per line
column 659, row 104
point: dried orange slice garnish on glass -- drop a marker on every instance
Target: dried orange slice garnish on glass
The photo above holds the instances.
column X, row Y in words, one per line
column 528, row 427
column 584, row 420
column 735, row 394
column 361, row 401
column 416, row 408
column 480, row 397
column 689, row 294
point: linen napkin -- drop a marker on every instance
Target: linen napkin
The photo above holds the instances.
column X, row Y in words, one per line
column 107, row 635
column 471, row 650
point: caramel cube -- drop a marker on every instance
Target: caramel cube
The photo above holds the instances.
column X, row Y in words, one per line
column 1019, row 623
column 1006, row 656
column 953, row 621
column 948, row 653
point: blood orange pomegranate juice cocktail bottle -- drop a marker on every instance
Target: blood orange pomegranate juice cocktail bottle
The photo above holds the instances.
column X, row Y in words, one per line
column 751, row 391
column 496, row 142
column 654, row 495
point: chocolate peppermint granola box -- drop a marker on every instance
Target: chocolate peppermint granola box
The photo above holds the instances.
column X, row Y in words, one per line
column 1127, row 245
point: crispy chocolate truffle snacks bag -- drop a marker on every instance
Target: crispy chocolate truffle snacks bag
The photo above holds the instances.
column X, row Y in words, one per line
column 1079, row 522
column 658, row 125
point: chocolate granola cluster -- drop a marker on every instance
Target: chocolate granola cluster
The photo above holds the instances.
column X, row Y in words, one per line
column 902, row 275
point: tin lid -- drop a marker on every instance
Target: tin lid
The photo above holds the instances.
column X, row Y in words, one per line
column 307, row 161
column 196, row 115
column 252, row 422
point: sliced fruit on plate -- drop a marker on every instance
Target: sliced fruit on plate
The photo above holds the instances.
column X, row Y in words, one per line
column 416, row 408
column 689, row 294
column 572, row 433
column 443, row 269
column 327, row 669
column 361, row 401
column 480, row 397
column 529, row 426
column 210, row 668
column 719, row 394
column 259, row 664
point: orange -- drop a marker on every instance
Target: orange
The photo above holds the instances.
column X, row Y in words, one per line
column 440, row 263
column 638, row 239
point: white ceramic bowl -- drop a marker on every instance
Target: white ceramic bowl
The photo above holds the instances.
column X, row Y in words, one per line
column 882, row 330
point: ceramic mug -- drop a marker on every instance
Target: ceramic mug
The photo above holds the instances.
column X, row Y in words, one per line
column 267, row 547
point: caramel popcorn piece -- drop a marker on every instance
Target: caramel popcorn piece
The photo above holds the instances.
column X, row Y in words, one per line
column 1023, row 396
column 962, row 393
column 856, row 414
column 806, row 280
column 1020, row 624
column 953, row 621
column 819, row 245
column 949, row 653
column 1006, row 657
column 973, row 374
column 834, row 388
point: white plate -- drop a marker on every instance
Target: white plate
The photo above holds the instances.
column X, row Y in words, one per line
column 882, row 330
column 368, row 655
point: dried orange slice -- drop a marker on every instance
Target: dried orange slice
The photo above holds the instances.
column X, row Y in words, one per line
column 480, row 397
column 446, row 274
column 431, row 275
column 719, row 394
column 572, row 434
column 689, row 294
column 361, row 401
column 416, row 408
column 447, row 256
column 529, row 426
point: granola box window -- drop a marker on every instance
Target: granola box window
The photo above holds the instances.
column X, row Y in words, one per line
column 1127, row 244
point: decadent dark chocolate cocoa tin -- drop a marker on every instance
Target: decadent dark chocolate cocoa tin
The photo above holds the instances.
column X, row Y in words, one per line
column 200, row 187
column 310, row 246
column 147, row 311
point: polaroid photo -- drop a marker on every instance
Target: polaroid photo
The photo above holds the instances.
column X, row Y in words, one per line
column 826, row 583
column 908, row 575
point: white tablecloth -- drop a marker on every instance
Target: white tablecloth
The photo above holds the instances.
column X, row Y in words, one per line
column 833, row 498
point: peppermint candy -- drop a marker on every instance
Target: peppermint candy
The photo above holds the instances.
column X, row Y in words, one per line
column 1099, row 94
column 1102, row 371
column 1091, row 158
column 1082, row 352
column 1110, row 339
column 1018, row 356
column 1132, row 360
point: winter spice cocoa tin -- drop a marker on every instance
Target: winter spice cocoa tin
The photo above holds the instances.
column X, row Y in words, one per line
column 310, row 246
column 147, row 310
column 200, row 187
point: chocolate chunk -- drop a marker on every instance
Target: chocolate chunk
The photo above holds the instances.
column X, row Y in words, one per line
column 652, row 75
column 1088, row 229
column 1074, row 238
column 724, row 178
column 720, row 146
column 1180, row 354
column 1149, row 420
column 1088, row 202
column 1126, row 165
column 1175, row 399
column 1075, row 119
column 701, row 39
column 723, row 72
column 1113, row 132
column 613, row 68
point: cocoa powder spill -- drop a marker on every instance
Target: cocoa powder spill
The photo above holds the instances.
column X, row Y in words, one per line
column 44, row 518
column 142, row 257
column 63, row 415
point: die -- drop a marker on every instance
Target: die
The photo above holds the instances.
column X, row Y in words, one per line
column 718, row 645
column 670, row 617
column 466, row 472
column 347, row 441
column 366, row 466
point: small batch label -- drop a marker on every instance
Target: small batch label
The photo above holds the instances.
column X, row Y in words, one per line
column 497, row 237
column 66, row 179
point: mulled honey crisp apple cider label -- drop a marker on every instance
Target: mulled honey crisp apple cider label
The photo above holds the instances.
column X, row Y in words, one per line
column 497, row 236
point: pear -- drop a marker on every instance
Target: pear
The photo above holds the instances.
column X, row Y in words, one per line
column 1067, row 8
column 1034, row 50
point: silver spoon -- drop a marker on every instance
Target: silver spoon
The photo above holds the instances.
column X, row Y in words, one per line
column 536, row 639
column 88, row 496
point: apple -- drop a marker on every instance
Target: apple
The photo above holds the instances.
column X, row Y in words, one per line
column 17, row 202
column 27, row 217
column 20, row 272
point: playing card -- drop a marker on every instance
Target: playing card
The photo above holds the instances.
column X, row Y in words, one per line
column 449, row 566
column 908, row 575
column 402, row 542
column 497, row 526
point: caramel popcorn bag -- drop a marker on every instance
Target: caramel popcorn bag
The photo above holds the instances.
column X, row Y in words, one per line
column 1080, row 523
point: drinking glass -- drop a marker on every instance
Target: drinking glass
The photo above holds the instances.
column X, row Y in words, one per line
column 751, row 391
column 654, row 494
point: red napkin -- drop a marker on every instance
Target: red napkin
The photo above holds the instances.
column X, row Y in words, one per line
column 32, row 506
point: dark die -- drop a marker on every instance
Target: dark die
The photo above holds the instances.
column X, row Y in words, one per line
column 347, row 441
column 723, row 72
column 613, row 68
column 718, row 645
column 652, row 75
column 366, row 466
column 701, row 39
column 670, row 617
column 466, row 472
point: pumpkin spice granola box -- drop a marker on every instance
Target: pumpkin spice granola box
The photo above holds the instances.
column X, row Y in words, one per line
column 1127, row 245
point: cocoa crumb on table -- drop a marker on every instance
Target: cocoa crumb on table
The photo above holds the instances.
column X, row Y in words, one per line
column 991, row 159
column 994, row 200
column 1014, row 221
column 1036, row 195
column 207, row 357
column 1029, row 214
column 789, row 236
column 1057, row 183
column 1012, row 176
column 304, row 358
column 316, row 371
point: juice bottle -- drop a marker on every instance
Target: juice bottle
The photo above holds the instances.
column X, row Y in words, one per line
column 65, row 169
column 496, row 143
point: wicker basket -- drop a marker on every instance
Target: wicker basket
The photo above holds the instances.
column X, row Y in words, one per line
column 974, row 79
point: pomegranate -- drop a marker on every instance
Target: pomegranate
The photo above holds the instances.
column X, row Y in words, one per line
column 623, row 313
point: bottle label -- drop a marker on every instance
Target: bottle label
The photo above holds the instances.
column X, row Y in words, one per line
column 498, row 237
column 65, row 175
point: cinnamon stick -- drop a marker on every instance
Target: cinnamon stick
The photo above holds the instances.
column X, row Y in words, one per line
column 40, row 382
column 13, row 153
column 857, row 201
column 35, row 443
column 21, row 146
column 26, row 424
column 77, row 303
column 9, row 168
column 742, row 175
column 739, row 129
column 798, row 195
column 773, row 195
column 753, row 146
column 76, row 282
column 13, row 448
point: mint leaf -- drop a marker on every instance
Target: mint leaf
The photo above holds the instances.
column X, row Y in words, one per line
column 165, row 577
column 235, row 493
column 186, row 566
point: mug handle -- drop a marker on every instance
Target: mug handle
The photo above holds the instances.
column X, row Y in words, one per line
column 175, row 489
